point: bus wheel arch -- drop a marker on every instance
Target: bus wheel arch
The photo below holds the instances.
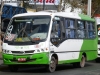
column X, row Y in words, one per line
column 83, row 60
column 56, row 57
column 84, row 54
column 53, row 63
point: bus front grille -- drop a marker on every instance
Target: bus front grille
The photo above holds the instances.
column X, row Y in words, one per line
column 22, row 52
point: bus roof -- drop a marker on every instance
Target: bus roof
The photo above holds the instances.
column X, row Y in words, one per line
column 62, row 14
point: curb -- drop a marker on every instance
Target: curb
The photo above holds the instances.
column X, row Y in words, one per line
column 1, row 58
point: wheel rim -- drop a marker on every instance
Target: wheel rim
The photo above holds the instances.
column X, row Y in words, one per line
column 82, row 63
column 52, row 66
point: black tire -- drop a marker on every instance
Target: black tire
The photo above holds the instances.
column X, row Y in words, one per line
column 13, row 68
column 97, row 60
column 52, row 66
column 80, row 64
column 75, row 65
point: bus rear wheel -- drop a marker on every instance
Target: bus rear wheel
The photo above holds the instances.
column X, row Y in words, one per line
column 52, row 66
column 97, row 60
column 80, row 64
column 13, row 68
column 83, row 60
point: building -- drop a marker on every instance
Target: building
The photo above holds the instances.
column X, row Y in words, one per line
column 10, row 2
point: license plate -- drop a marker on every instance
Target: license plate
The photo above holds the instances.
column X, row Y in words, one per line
column 21, row 59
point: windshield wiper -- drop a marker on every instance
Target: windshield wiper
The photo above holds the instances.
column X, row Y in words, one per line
column 29, row 37
column 23, row 29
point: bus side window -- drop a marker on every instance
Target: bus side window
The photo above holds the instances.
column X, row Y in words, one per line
column 81, row 29
column 70, row 28
column 91, row 32
column 72, row 31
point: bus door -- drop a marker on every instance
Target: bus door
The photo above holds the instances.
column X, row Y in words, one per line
column 57, row 32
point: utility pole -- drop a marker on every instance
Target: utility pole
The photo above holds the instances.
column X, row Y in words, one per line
column 89, row 8
column 60, row 6
column 1, row 22
column 35, row 5
column 1, row 14
column 43, row 4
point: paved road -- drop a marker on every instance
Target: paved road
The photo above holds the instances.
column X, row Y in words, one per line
column 91, row 68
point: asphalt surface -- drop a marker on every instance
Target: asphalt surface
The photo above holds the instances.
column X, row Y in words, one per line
column 91, row 68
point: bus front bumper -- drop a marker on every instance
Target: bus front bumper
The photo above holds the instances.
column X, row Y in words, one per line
column 39, row 58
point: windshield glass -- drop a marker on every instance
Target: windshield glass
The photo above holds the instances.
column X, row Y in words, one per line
column 28, row 28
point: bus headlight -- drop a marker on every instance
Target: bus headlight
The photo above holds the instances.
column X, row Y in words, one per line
column 38, row 50
column 42, row 50
column 6, row 51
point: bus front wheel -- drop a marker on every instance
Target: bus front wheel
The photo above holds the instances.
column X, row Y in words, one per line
column 13, row 68
column 52, row 66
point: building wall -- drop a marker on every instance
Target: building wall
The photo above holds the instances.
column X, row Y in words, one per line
column 47, row 7
column 10, row 2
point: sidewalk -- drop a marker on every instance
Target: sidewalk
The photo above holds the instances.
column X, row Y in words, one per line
column 2, row 66
column 0, row 48
column 0, row 55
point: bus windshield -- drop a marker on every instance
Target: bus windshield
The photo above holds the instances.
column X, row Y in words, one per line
column 28, row 28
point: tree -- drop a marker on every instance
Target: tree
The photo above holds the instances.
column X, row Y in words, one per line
column 82, row 4
column 95, row 6
column 73, row 4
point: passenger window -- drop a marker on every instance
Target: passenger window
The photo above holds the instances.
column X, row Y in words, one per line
column 70, row 28
column 71, row 25
column 91, row 29
column 81, row 29
column 66, row 23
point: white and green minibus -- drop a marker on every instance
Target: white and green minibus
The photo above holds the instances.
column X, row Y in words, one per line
column 49, row 39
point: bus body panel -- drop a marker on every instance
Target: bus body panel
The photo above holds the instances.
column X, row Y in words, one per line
column 68, row 50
